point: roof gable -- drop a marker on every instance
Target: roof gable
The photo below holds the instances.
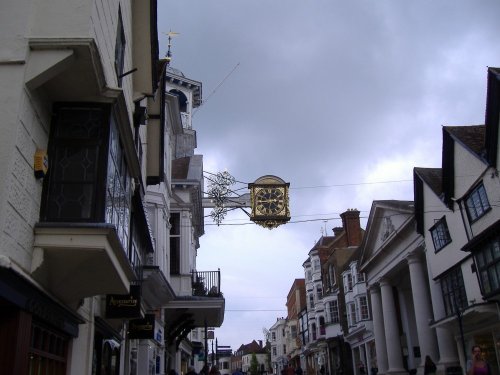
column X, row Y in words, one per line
column 384, row 221
column 432, row 177
column 471, row 138
column 492, row 116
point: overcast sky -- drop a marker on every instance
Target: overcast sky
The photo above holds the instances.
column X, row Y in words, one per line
column 340, row 98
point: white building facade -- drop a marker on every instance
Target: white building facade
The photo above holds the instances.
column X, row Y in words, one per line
column 86, row 253
column 278, row 340
column 315, row 350
column 393, row 259
column 360, row 326
column 457, row 214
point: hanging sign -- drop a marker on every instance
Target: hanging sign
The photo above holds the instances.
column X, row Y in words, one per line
column 142, row 328
column 124, row 305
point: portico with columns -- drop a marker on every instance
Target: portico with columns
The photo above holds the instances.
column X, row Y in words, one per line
column 393, row 260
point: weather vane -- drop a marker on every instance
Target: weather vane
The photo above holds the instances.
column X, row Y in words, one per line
column 168, row 55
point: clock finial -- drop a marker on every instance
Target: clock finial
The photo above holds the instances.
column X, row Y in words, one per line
column 168, row 55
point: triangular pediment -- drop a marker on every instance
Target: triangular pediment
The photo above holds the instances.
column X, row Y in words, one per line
column 385, row 220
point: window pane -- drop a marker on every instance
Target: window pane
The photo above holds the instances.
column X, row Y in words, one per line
column 483, row 197
column 453, row 291
column 493, row 278
column 487, row 255
column 71, row 201
column 480, row 259
column 440, row 234
column 477, row 203
column 496, row 249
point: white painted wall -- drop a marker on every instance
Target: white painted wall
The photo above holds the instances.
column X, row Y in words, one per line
column 434, row 210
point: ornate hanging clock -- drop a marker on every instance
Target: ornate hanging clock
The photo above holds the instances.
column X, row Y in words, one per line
column 269, row 201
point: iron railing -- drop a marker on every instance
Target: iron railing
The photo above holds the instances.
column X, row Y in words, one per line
column 206, row 283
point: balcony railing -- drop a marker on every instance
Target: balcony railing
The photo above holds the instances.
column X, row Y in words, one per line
column 206, row 283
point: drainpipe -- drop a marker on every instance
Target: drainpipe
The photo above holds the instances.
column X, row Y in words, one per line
column 459, row 202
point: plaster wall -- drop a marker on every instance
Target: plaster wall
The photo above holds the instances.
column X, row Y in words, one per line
column 14, row 18
column 491, row 183
column 22, row 133
column 471, row 283
column 445, row 258
column 468, row 169
column 26, row 118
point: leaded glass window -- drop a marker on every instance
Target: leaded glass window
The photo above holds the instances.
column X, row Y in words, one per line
column 477, row 203
column 88, row 179
column 488, row 265
column 440, row 234
column 453, row 290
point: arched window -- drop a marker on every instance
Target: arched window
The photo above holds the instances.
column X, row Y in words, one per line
column 183, row 101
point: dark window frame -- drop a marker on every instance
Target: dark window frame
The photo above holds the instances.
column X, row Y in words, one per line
column 48, row 349
column 175, row 243
column 477, row 203
column 64, row 142
column 440, row 234
column 453, row 291
column 487, row 260
column 120, row 49
column 78, row 129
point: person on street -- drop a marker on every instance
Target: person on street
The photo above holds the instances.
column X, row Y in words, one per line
column 429, row 367
column 204, row 370
column 477, row 365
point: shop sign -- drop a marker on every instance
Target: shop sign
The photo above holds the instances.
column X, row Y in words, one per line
column 142, row 328
column 158, row 333
column 124, row 305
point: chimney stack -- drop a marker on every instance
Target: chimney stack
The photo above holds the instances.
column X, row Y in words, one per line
column 350, row 222
column 337, row 230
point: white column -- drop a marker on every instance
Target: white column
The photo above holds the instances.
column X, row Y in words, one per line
column 394, row 355
column 406, row 326
column 423, row 310
column 378, row 329
column 186, row 242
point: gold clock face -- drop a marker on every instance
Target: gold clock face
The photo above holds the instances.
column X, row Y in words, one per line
column 270, row 201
